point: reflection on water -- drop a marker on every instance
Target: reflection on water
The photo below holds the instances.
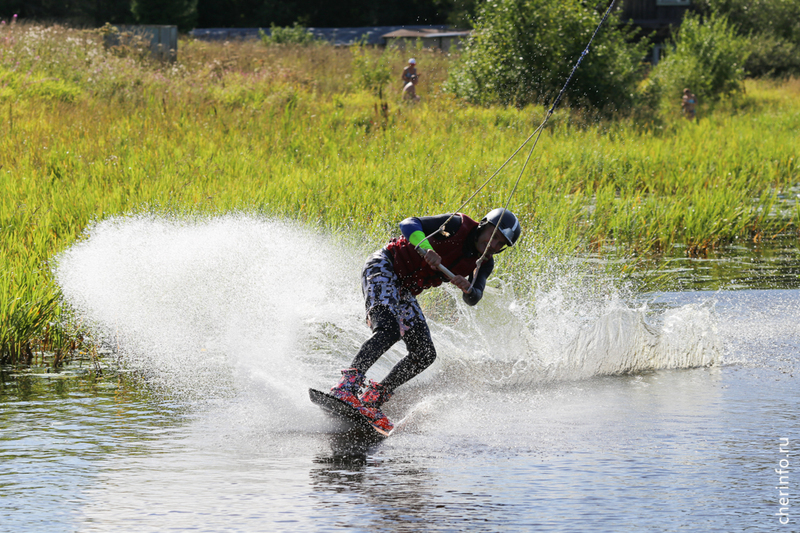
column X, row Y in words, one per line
column 765, row 265
column 390, row 492
column 351, row 444
column 56, row 429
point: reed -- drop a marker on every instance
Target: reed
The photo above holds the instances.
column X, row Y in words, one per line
column 88, row 133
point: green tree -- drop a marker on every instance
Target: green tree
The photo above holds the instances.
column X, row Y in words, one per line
column 80, row 12
column 772, row 27
column 296, row 34
column 462, row 13
column 181, row 13
column 706, row 56
column 523, row 50
column 373, row 73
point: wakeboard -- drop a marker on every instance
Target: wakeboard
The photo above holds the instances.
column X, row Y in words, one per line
column 346, row 413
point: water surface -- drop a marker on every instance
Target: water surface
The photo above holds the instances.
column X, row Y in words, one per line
column 571, row 411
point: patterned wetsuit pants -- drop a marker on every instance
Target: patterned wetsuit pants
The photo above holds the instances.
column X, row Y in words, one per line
column 393, row 314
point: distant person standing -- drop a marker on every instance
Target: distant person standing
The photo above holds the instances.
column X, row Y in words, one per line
column 689, row 104
column 410, row 72
column 410, row 78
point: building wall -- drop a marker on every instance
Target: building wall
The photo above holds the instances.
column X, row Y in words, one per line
column 653, row 13
column 443, row 43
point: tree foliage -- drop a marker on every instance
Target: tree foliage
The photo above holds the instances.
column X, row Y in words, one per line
column 181, row 13
column 706, row 56
column 241, row 13
column 372, row 73
column 295, row 34
column 462, row 13
column 321, row 13
column 523, row 50
column 82, row 12
column 772, row 27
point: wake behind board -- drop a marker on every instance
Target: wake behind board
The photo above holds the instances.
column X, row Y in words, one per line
column 346, row 413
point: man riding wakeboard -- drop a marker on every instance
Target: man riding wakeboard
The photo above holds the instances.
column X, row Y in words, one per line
column 391, row 279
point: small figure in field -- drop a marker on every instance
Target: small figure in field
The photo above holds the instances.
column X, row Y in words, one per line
column 390, row 281
column 410, row 71
column 410, row 79
column 688, row 104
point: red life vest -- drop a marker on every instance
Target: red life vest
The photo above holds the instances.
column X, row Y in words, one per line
column 416, row 275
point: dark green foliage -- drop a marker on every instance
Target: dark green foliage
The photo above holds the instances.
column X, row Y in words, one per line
column 523, row 50
column 321, row 13
column 181, row 13
column 80, row 12
column 773, row 28
column 247, row 13
column 772, row 56
column 463, row 13
column 240, row 13
column 780, row 18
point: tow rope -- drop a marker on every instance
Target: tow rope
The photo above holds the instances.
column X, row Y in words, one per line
column 536, row 133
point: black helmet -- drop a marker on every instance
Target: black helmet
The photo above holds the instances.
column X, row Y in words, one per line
column 505, row 222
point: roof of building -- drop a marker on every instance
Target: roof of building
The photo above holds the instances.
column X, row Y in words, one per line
column 424, row 33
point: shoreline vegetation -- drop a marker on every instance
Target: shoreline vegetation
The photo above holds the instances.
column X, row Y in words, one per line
column 88, row 133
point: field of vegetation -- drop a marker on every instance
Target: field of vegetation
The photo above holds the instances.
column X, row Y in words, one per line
column 302, row 133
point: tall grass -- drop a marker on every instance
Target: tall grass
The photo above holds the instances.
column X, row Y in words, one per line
column 87, row 133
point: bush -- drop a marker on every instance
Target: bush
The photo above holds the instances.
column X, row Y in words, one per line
column 288, row 35
column 773, row 27
column 706, row 56
column 772, row 56
column 372, row 74
column 523, row 50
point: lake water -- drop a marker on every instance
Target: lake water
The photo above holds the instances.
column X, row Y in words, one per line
column 574, row 408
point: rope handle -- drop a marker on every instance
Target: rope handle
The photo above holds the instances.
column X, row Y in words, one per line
column 443, row 269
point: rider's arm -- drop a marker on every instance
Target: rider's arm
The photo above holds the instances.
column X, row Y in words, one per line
column 415, row 229
column 474, row 296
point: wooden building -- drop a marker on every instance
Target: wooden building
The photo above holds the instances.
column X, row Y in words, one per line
column 429, row 38
column 658, row 16
column 654, row 14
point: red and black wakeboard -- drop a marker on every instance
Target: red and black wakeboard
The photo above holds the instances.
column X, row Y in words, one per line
column 346, row 413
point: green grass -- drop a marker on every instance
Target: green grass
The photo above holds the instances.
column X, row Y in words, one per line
column 87, row 133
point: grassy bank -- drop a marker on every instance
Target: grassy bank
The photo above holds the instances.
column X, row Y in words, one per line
column 86, row 133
